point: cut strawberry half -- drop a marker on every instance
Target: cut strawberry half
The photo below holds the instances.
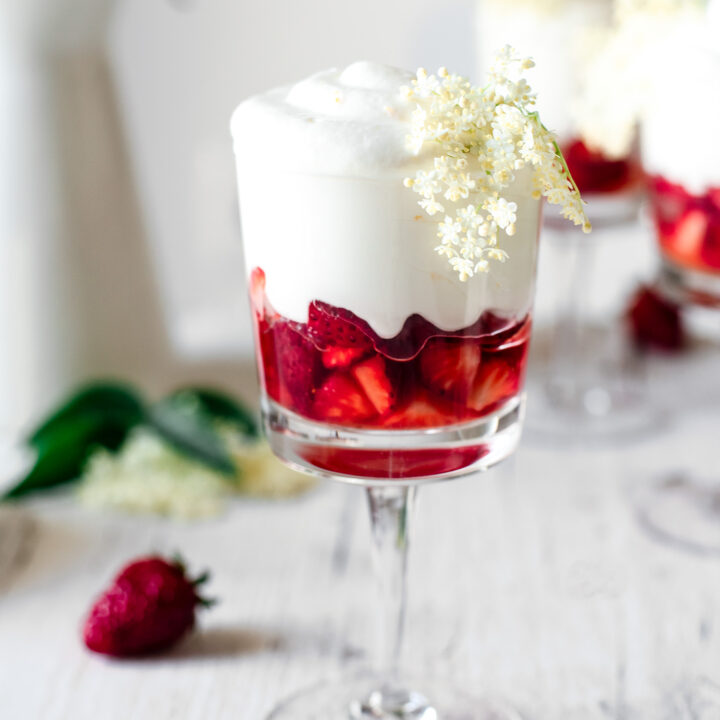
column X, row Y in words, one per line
column 265, row 350
column 710, row 251
column 496, row 382
column 372, row 378
column 687, row 239
column 713, row 195
column 341, row 357
column 422, row 411
column 295, row 363
column 257, row 290
column 326, row 329
column 448, row 367
column 341, row 400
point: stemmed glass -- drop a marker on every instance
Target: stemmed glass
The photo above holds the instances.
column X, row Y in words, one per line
column 684, row 507
column 380, row 364
column 587, row 384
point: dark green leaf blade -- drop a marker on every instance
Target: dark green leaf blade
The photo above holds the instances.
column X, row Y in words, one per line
column 101, row 403
column 64, row 452
column 190, row 434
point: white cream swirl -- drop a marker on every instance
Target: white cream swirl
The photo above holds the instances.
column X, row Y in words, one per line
column 350, row 122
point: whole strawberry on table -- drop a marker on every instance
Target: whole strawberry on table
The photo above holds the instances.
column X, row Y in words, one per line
column 150, row 605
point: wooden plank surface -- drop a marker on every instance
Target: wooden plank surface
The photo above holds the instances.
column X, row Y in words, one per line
column 535, row 581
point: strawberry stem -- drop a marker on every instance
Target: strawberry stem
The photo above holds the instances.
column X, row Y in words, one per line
column 203, row 578
column 206, row 602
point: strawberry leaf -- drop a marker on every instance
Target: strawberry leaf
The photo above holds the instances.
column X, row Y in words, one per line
column 191, row 434
column 94, row 406
column 98, row 415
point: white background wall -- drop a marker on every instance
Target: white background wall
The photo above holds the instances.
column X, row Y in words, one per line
column 181, row 67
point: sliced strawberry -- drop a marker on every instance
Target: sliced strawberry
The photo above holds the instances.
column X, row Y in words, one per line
column 327, row 328
column 687, row 239
column 496, row 382
column 710, row 251
column 372, row 378
column 294, row 362
column 340, row 357
column 257, row 290
column 265, row 350
column 714, row 197
column 341, row 400
column 448, row 366
column 422, row 411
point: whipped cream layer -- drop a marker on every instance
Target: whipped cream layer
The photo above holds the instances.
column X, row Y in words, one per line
column 349, row 122
column 680, row 138
column 550, row 33
column 326, row 216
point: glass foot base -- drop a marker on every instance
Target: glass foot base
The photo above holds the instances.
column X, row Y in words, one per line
column 351, row 700
column 682, row 510
column 390, row 703
column 607, row 411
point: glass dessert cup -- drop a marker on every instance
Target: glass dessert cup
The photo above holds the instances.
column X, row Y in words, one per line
column 688, row 233
column 390, row 226
column 683, row 507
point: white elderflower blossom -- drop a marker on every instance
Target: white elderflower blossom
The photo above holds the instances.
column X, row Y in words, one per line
column 502, row 211
column 431, row 206
column 483, row 136
column 148, row 476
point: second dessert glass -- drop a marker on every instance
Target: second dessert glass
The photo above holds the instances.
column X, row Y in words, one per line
column 586, row 384
column 683, row 507
column 382, row 362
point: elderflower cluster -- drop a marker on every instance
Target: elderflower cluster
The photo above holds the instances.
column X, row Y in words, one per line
column 148, row 476
column 483, row 136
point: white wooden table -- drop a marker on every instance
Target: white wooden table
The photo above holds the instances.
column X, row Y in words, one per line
column 534, row 581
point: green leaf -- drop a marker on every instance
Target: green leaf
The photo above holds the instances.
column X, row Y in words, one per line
column 96, row 405
column 102, row 414
column 99, row 415
column 217, row 406
column 190, row 433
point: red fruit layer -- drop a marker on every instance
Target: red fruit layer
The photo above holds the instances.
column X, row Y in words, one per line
column 335, row 369
column 595, row 173
column 688, row 225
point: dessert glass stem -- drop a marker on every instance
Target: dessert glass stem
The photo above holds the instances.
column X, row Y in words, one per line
column 391, row 510
column 569, row 344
